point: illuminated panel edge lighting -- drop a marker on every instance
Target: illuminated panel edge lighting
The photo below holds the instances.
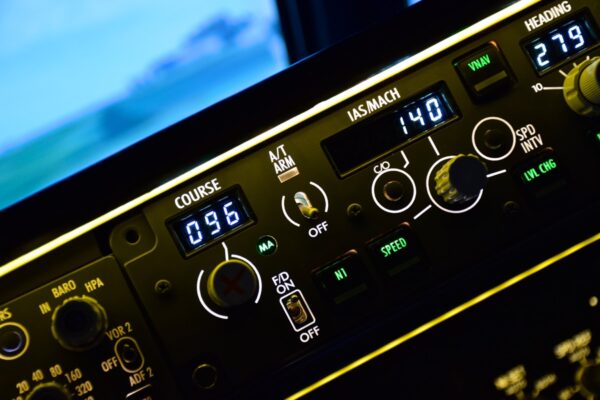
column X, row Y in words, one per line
column 317, row 109
column 446, row 316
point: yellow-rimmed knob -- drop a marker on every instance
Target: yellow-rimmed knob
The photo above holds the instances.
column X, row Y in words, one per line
column 582, row 88
column 461, row 179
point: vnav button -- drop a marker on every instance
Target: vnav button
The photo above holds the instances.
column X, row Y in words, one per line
column 484, row 71
column 396, row 251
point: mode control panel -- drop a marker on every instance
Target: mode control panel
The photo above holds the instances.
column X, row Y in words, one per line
column 359, row 228
column 367, row 209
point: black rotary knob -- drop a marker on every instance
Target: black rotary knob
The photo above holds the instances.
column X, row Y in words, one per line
column 589, row 377
column 461, row 179
column 79, row 323
column 232, row 283
column 49, row 391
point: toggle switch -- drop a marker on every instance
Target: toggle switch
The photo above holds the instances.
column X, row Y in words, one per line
column 305, row 206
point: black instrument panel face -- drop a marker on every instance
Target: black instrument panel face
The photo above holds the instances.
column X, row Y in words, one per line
column 363, row 223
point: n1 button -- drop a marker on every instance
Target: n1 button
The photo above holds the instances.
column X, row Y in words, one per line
column 484, row 71
column 343, row 278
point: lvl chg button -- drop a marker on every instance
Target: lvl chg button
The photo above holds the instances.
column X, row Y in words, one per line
column 396, row 251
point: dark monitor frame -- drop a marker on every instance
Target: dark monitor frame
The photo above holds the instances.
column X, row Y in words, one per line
column 176, row 149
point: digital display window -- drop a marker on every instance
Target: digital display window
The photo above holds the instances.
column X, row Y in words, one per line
column 211, row 220
column 359, row 144
column 560, row 43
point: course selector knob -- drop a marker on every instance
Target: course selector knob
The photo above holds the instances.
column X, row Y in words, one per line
column 582, row 88
column 232, row 283
column 49, row 391
column 79, row 323
column 460, row 179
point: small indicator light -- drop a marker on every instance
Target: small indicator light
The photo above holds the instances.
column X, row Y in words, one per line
column 598, row 136
column 480, row 62
column 266, row 245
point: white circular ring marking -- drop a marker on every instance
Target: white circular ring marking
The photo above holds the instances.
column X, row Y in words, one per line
column 435, row 202
column 414, row 196
column 257, row 275
column 285, row 214
column 199, row 292
column 512, row 131
column 324, row 195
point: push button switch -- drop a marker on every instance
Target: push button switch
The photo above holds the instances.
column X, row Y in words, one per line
column 396, row 251
column 484, row 71
column 541, row 174
column 343, row 278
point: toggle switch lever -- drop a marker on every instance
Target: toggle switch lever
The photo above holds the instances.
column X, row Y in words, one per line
column 305, row 206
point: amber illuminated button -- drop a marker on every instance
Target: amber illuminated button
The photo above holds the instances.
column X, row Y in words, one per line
column 396, row 251
column 484, row 71
column 343, row 278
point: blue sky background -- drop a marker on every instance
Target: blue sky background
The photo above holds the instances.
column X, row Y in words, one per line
column 63, row 62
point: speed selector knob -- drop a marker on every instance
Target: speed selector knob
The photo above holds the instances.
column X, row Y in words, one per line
column 460, row 179
column 49, row 391
column 582, row 88
column 79, row 323
column 232, row 283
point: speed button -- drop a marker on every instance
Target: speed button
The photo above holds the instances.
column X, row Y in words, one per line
column 393, row 190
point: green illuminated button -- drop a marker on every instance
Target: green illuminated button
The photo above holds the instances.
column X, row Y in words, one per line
column 596, row 140
column 343, row 278
column 266, row 245
column 541, row 174
column 484, row 71
column 396, row 251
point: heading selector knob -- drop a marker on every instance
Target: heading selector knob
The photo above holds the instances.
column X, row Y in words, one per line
column 582, row 88
column 460, row 179
column 79, row 323
column 232, row 283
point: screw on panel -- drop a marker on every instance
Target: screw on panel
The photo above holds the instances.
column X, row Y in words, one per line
column 354, row 210
column 511, row 208
column 162, row 286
